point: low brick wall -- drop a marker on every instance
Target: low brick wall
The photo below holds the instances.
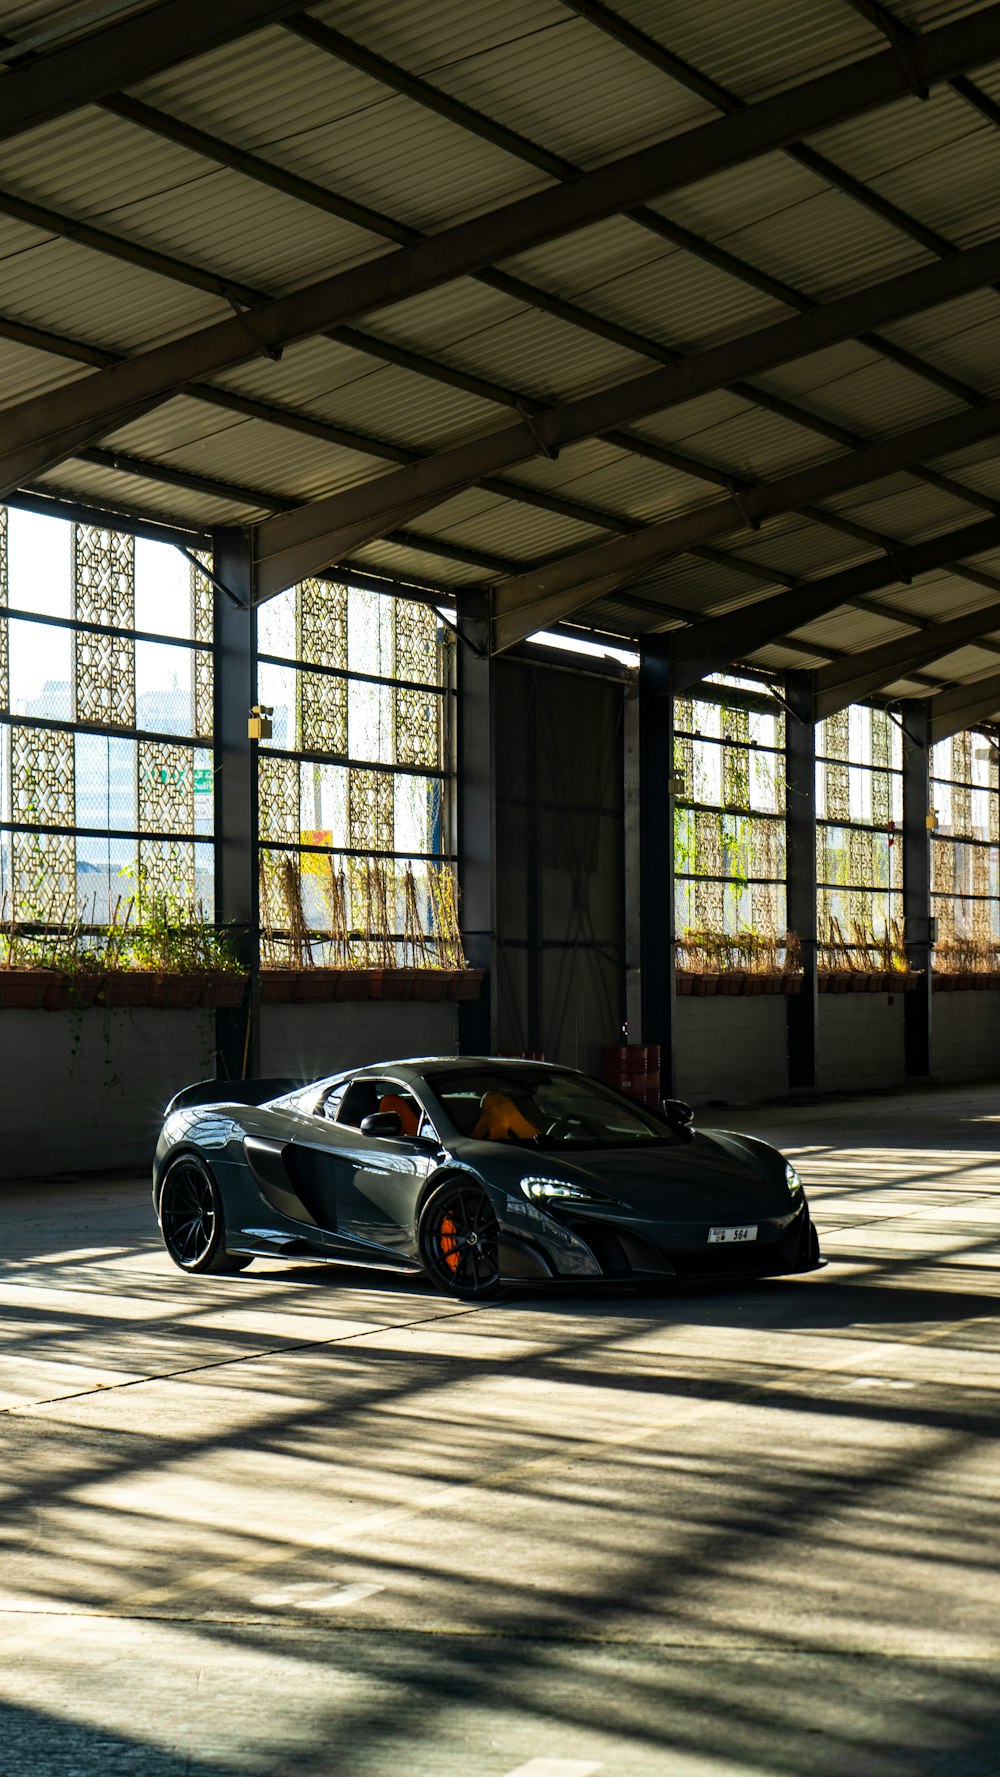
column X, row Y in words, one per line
column 310, row 1041
column 731, row 1048
column 860, row 1041
column 81, row 1091
column 965, row 1036
column 85, row 1091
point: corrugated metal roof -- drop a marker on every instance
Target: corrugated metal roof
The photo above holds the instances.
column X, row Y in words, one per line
column 607, row 106
column 342, row 129
column 59, row 285
column 108, row 488
column 45, row 25
column 851, row 631
column 965, row 663
column 761, row 48
column 537, row 68
column 25, row 372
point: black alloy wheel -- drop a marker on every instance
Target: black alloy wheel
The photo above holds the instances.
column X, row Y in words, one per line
column 191, row 1219
column 459, row 1241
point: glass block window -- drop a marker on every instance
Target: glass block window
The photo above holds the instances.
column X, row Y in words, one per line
column 729, row 821
column 965, row 844
column 859, row 808
column 355, row 783
column 106, row 692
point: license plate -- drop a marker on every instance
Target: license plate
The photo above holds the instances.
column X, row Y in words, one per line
column 727, row 1234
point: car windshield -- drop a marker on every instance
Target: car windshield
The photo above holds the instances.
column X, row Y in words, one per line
column 544, row 1107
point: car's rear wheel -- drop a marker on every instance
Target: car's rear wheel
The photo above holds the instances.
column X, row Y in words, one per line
column 459, row 1241
column 192, row 1221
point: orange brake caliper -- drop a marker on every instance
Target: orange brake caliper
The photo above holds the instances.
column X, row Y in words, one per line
column 449, row 1243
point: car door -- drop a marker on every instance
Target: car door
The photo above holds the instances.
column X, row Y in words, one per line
column 306, row 1170
column 380, row 1177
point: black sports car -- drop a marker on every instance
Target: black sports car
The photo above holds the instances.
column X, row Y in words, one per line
column 478, row 1172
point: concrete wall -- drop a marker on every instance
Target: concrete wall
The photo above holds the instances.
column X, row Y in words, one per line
column 84, row 1091
column 309, row 1041
column 965, row 1036
column 731, row 1049
column 860, row 1041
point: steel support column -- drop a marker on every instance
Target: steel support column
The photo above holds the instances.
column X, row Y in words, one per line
column 476, row 797
column 800, row 842
column 915, row 717
column 651, row 772
column 237, row 1033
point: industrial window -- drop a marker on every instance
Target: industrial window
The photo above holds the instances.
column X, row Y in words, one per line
column 729, row 827
column 355, row 781
column 859, row 855
column 965, row 849
column 106, row 763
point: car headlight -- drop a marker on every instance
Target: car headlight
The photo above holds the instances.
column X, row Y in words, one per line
column 549, row 1190
column 792, row 1179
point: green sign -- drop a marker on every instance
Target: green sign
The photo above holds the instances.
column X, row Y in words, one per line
column 204, row 780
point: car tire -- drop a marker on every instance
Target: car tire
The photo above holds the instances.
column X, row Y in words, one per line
column 192, row 1221
column 459, row 1241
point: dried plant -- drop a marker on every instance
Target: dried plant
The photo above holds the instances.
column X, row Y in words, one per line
column 967, row 956
column 756, row 953
column 862, row 949
column 447, row 930
column 376, row 916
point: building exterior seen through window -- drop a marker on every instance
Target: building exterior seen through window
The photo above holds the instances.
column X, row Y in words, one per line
column 106, row 689
column 107, row 779
column 729, row 831
column 859, row 852
column 965, row 851
column 357, row 865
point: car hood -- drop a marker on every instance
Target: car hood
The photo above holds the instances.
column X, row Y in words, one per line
column 718, row 1171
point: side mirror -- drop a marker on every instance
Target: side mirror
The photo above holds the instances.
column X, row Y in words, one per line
column 382, row 1123
column 680, row 1116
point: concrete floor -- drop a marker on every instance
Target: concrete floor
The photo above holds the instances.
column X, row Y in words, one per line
column 311, row 1522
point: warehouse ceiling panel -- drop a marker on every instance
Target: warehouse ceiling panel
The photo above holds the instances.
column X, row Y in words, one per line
column 254, row 286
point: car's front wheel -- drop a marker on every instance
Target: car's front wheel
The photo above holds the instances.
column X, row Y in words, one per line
column 459, row 1241
column 191, row 1218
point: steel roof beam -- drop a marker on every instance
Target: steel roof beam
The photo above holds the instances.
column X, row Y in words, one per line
column 716, row 642
column 488, row 129
column 266, row 173
column 320, row 533
column 601, row 518
column 90, row 67
column 553, row 592
column 951, row 712
column 696, row 81
column 200, row 141
column 902, row 35
column 40, row 432
column 327, row 431
column 265, row 499
column 293, row 184
column 857, row 676
column 366, row 444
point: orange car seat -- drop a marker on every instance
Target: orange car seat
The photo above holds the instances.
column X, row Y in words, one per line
column 500, row 1119
column 406, row 1112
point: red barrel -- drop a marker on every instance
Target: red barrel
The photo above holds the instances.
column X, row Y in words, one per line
column 633, row 1068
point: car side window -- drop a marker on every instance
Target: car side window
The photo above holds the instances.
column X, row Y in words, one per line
column 329, row 1104
column 367, row 1096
